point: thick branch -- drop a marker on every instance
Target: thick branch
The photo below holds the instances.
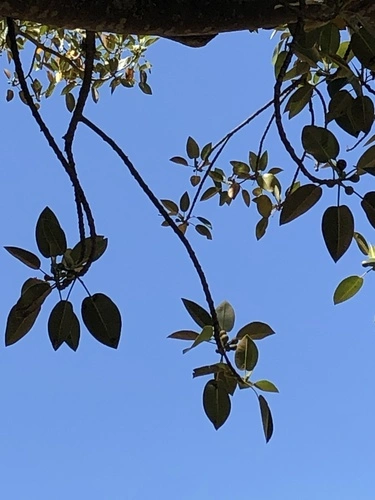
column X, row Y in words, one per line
column 173, row 17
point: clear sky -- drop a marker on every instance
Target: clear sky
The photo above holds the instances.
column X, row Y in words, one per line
column 101, row 424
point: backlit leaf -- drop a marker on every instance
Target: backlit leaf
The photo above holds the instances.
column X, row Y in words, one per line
column 362, row 243
column 246, row 355
column 347, row 289
column 261, row 227
column 171, row 206
column 185, row 202
column 225, row 316
column 205, row 335
column 266, row 385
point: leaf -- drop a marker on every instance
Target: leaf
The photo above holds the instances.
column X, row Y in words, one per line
column 183, row 335
column 205, row 335
column 26, row 257
column 185, row 202
column 299, row 201
column 70, row 102
column 337, row 230
column 204, row 221
column 367, row 161
column 266, row 385
column 362, row 112
column 179, row 160
column 261, row 227
column 266, row 418
column 49, row 235
column 299, row 99
column 192, row 148
column 63, row 324
column 216, row 403
column 225, row 316
column 206, row 151
column 204, row 231
column 362, row 243
column 320, row 143
column 209, row 193
column 246, row 355
column 102, row 319
column 101, row 244
column 246, row 197
column 255, row 330
column 368, row 205
column 264, row 205
column 329, row 39
column 209, row 369
column 145, row 87
column 363, row 46
column 19, row 323
column 34, row 292
column 347, row 289
column 199, row 315
column 171, row 206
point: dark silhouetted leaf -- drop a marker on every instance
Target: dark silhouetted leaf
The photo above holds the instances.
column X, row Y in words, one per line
column 362, row 112
column 347, row 289
column 362, row 243
column 368, row 205
column 329, row 39
column 246, row 197
column 179, row 160
column 246, row 355
column 363, row 45
column 209, row 193
column 261, row 227
column 192, row 148
column 204, row 231
column 204, row 221
column 205, row 335
column 229, row 381
column 101, row 244
column 26, row 257
column 171, row 206
column 183, row 335
column 50, row 238
column 34, row 292
column 216, row 403
column 266, row 418
column 199, row 315
column 266, row 385
column 70, row 101
column 367, row 161
column 255, row 330
column 320, row 143
column 206, row 151
column 102, row 319
column 337, row 230
column 225, row 316
column 185, row 202
column 63, row 324
column 209, row 369
column 299, row 99
column 299, row 201
column 19, row 323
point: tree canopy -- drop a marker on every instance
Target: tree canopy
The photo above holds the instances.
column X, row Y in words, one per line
column 324, row 66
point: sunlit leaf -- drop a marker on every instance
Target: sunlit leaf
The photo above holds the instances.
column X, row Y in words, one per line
column 347, row 289
column 171, row 206
column 209, row 369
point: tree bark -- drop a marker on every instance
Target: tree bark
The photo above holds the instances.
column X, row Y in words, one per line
column 176, row 17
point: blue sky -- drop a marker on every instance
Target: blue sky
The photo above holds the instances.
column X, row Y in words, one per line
column 128, row 424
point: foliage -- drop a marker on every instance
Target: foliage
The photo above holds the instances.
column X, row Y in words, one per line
column 328, row 71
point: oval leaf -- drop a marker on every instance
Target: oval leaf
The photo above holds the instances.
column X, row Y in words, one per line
column 225, row 316
column 185, row 202
column 50, row 237
column 362, row 243
column 266, row 385
column 19, row 323
column 261, row 227
column 299, row 201
column 216, row 403
column 338, row 230
column 267, row 421
column 63, row 324
column 102, row 319
column 26, row 257
column 368, row 205
column 347, row 289
column 183, row 335
column 199, row 315
column 101, row 244
column 192, row 148
column 246, row 356
column 255, row 330
column 320, row 143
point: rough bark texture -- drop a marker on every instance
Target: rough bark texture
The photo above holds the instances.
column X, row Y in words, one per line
column 174, row 17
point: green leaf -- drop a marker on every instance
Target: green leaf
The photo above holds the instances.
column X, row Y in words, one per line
column 209, row 369
column 185, row 202
column 299, row 99
column 264, row 205
column 216, row 403
column 145, row 87
column 209, row 193
column 102, row 319
column 225, row 316
column 228, row 380
column 261, row 227
column 179, row 160
column 299, row 201
column 63, row 324
column 347, row 289
column 192, row 148
column 204, row 231
column 101, row 244
column 183, row 335
column 329, row 39
column 368, row 205
column 266, row 385
column 205, row 335
column 26, row 257
column 255, row 330
column 49, row 235
column 19, row 323
column 337, row 230
column 320, row 143
column 367, row 161
column 70, row 102
column 199, row 315
column 206, row 151
column 362, row 243
column 171, row 206
column 266, row 418
column 246, row 197
column 246, row 355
